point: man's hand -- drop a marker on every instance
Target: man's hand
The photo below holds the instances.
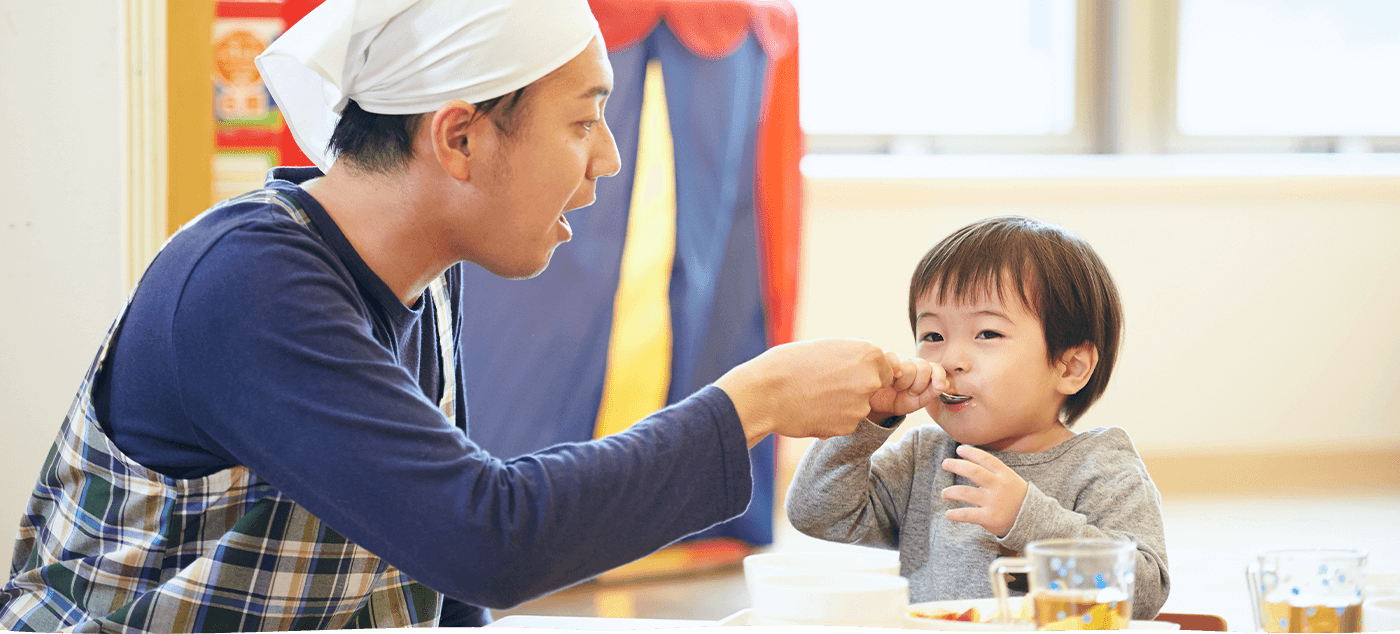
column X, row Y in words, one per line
column 916, row 383
column 998, row 500
column 819, row 388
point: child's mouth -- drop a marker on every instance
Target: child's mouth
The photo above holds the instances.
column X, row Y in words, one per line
column 953, row 399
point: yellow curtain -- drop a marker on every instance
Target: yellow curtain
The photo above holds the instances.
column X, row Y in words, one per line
column 639, row 349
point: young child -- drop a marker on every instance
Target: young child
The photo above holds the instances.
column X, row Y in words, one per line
column 1024, row 321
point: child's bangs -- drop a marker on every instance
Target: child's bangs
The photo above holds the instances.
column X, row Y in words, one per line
column 980, row 271
column 997, row 258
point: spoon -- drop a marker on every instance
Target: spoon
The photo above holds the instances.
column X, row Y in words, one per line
column 952, row 399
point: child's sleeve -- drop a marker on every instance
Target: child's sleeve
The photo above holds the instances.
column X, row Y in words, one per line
column 1121, row 505
column 843, row 493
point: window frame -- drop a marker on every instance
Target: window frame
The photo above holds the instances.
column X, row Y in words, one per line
column 1079, row 139
column 1125, row 101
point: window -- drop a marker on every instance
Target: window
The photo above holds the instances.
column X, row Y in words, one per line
column 1289, row 68
column 983, row 68
column 939, row 75
column 1099, row 76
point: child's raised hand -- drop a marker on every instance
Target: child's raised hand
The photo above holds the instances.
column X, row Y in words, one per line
column 997, row 498
column 916, row 383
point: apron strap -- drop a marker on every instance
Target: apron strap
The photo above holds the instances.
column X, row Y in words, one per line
column 436, row 290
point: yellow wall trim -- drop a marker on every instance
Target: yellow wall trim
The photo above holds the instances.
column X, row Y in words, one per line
column 168, row 121
column 191, row 109
column 1349, row 472
column 1266, row 474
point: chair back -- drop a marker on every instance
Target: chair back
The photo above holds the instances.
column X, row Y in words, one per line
column 1196, row 622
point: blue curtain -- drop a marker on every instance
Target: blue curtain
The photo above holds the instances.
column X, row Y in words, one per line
column 535, row 351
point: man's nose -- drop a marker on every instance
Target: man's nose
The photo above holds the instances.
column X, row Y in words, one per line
column 606, row 160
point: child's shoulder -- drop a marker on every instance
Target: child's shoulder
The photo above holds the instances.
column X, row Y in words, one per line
column 1103, row 450
column 1101, row 444
column 1100, row 438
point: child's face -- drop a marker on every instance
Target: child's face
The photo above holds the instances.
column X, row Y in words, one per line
column 993, row 351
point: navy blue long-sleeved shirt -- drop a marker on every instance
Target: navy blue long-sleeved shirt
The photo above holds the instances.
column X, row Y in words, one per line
column 254, row 340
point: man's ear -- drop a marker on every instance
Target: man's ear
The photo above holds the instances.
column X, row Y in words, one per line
column 451, row 134
column 1076, row 367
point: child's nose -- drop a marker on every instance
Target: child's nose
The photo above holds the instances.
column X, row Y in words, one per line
column 955, row 360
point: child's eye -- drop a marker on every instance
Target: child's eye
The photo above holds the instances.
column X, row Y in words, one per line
column 588, row 125
column 988, row 334
column 931, row 336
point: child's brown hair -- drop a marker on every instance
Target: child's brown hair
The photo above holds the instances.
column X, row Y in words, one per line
column 1056, row 274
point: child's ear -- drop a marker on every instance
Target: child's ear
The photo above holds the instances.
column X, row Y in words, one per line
column 1076, row 367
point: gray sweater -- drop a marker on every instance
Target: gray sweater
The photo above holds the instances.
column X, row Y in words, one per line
column 1091, row 485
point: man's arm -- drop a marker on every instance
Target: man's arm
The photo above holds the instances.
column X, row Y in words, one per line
column 284, row 376
column 820, row 388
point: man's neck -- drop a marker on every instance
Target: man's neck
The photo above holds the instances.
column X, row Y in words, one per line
column 388, row 222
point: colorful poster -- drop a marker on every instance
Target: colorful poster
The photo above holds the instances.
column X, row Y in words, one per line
column 238, row 172
column 240, row 98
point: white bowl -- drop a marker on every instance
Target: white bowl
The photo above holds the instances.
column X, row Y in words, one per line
column 1382, row 585
column 1381, row 615
column 848, row 598
column 885, row 562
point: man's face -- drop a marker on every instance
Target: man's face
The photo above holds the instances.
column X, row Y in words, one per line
column 549, row 163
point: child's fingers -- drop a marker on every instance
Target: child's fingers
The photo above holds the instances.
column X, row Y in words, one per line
column 924, row 400
column 892, row 360
column 908, row 402
column 923, row 376
column 906, row 374
column 940, row 377
column 883, row 400
column 981, row 458
column 966, row 494
column 966, row 515
column 972, row 471
column 923, row 392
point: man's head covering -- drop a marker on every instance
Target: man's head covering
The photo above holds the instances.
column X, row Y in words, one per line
column 413, row 56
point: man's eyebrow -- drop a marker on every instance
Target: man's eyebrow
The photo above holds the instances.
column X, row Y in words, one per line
column 597, row 91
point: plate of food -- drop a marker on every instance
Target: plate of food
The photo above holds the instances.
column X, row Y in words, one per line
column 984, row 615
column 976, row 615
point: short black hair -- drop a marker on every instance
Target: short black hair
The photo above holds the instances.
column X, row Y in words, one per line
column 1055, row 274
column 383, row 143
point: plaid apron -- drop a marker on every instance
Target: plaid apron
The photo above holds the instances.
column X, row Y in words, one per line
column 106, row 545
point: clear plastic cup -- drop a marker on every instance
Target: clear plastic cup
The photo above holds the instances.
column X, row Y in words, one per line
column 1308, row 589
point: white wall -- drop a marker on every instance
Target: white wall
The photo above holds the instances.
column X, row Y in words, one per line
column 1261, row 313
column 60, row 225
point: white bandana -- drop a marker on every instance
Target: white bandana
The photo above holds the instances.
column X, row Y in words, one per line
column 413, row 56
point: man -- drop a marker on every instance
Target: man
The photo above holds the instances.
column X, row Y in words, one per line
column 270, row 438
